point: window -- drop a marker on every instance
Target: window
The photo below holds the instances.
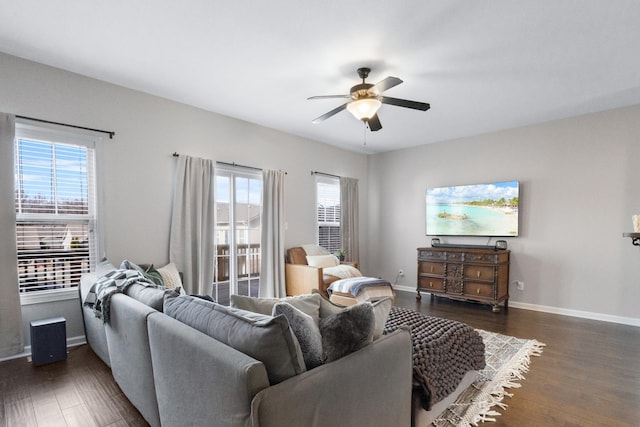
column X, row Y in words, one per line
column 238, row 232
column 328, row 212
column 55, row 201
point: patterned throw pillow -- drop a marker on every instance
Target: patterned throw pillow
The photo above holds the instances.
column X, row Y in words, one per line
column 170, row 276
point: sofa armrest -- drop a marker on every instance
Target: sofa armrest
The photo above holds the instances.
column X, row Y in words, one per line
column 302, row 279
column 199, row 380
column 369, row 387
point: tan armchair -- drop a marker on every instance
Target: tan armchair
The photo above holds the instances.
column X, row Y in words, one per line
column 301, row 278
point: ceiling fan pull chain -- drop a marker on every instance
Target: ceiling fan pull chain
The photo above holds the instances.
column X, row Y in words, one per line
column 364, row 133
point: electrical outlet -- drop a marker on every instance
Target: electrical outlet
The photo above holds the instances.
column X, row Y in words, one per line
column 520, row 285
column 401, row 273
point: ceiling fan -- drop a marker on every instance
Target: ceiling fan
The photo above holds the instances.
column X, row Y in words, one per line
column 366, row 100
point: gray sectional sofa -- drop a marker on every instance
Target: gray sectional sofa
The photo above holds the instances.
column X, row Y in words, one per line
column 178, row 375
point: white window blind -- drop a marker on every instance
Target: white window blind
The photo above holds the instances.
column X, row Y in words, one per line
column 55, row 201
column 328, row 212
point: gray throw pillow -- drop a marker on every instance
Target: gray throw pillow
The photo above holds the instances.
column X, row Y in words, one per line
column 347, row 331
column 265, row 338
column 308, row 304
column 306, row 331
column 381, row 309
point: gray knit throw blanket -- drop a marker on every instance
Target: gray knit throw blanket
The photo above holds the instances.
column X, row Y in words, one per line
column 443, row 352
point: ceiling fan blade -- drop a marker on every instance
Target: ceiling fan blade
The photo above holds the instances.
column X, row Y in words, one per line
column 387, row 83
column 374, row 123
column 329, row 96
column 405, row 103
column 325, row 116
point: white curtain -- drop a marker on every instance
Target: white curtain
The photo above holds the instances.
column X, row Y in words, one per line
column 349, row 218
column 191, row 241
column 272, row 282
column 10, row 310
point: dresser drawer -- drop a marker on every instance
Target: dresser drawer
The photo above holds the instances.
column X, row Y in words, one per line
column 431, row 284
column 479, row 272
column 478, row 290
column 436, row 268
column 484, row 258
column 431, row 255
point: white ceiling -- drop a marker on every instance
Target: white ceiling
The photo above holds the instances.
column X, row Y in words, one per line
column 482, row 65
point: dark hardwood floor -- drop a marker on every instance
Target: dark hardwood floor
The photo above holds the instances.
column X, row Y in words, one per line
column 79, row 391
column 588, row 375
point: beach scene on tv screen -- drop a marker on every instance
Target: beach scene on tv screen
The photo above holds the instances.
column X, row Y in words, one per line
column 473, row 210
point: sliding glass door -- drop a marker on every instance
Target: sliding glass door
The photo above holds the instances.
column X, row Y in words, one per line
column 238, row 232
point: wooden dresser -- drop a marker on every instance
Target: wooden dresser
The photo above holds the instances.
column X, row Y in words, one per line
column 478, row 274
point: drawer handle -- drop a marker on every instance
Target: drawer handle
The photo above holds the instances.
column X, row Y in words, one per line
column 478, row 273
column 478, row 291
column 431, row 284
column 432, row 268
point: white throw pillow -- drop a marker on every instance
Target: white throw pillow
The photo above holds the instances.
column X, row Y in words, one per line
column 171, row 277
column 343, row 271
column 322, row 261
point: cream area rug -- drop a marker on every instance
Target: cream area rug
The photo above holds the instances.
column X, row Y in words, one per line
column 507, row 360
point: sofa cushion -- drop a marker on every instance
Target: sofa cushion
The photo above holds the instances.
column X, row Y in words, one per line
column 347, row 331
column 265, row 338
column 322, row 261
column 308, row 304
column 149, row 295
column 306, row 331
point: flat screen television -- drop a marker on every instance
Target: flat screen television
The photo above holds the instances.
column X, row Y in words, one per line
column 489, row 210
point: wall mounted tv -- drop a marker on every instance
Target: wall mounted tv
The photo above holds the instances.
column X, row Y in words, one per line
column 489, row 210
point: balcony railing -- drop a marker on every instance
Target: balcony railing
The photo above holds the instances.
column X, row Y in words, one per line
column 248, row 261
column 62, row 268
column 52, row 270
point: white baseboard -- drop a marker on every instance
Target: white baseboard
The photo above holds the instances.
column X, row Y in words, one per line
column 71, row 342
column 631, row 321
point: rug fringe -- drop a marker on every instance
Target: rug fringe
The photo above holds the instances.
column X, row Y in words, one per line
column 492, row 395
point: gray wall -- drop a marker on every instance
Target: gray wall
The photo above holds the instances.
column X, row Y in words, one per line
column 138, row 167
column 579, row 182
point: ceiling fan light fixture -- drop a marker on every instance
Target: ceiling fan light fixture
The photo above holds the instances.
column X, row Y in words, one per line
column 364, row 109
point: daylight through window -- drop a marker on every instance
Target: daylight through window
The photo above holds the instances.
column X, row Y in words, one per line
column 328, row 212
column 238, row 232
column 55, row 201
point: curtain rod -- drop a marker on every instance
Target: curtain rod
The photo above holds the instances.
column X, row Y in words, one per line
column 175, row 154
column 325, row 174
column 109, row 132
column 239, row 166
